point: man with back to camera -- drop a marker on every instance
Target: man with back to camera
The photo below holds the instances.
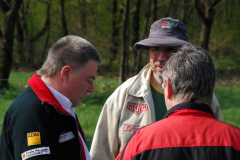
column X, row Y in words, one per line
column 41, row 123
column 189, row 130
column 139, row 101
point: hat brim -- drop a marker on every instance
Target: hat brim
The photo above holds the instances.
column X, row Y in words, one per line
column 159, row 42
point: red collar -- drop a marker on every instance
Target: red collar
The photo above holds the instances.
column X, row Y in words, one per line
column 43, row 93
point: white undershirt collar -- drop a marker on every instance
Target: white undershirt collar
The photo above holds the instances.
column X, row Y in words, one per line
column 63, row 100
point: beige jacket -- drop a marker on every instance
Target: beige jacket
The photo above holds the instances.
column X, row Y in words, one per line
column 127, row 109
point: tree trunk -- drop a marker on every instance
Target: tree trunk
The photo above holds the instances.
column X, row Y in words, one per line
column 135, row 28
column 10, row 14
column 187, row 11
column 47, row 31
column 205, row 11
column 24, row 58
column 124, row 44
column 155, row 9
column 20, row 44
column 63, row 19
column 169, row 8
column 115, row 34
column 83, row 15
column 32, row 39
column 145, row 29
column 205, row 34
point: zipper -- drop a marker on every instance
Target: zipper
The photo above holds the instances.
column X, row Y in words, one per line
column 75, row 124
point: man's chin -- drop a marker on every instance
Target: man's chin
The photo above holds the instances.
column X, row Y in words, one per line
column 158, row 74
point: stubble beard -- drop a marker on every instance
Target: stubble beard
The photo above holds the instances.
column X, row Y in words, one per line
column 155, row 71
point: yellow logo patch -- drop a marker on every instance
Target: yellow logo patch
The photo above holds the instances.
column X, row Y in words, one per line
column 33, row 138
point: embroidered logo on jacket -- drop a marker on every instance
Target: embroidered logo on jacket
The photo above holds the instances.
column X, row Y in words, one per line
column 66, row 136
column 35, row 152
column 128, row 127
column 137, row 108
column 33, row 138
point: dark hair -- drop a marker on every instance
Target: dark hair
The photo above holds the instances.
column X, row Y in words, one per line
column 69, row 50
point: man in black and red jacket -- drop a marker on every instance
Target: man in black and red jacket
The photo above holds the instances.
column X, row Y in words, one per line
column 41, row 123
column 189, row 130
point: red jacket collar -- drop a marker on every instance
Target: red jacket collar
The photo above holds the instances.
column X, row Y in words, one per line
column 190, row 106
column 43, row 93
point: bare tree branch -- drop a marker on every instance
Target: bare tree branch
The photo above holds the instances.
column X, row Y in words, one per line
column 46, row 25
column 205, row 11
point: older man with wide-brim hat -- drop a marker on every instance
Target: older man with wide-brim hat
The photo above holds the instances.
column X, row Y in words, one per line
column 139, row 101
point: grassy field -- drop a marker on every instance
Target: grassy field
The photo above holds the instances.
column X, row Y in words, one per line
column 90, row 108
column 228, row 97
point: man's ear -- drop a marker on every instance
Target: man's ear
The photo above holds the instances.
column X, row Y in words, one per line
column 168, row 88
column 65, row 72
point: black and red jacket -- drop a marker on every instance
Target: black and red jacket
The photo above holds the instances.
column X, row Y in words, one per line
column 37, row 111
column 189, row 131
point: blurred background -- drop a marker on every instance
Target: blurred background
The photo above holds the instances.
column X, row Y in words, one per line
column 29, row 27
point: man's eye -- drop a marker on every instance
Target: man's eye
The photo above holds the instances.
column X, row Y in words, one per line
column 171, row 50
column 90, row 81
column 155, row 49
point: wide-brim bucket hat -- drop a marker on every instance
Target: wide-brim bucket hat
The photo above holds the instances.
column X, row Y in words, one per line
column 165, row 32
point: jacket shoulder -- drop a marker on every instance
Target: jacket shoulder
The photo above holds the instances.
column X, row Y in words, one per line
column 24, row 100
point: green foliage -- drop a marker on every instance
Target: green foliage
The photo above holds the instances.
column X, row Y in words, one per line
column 224, row 41
column 92, row 20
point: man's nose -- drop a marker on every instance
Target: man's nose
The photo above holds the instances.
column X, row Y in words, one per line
column 91, row 89
column 162, row 56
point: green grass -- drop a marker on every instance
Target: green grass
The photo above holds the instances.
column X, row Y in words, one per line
column 90, row 108
column 228, row 97
column 3, row 109
column 88, row 116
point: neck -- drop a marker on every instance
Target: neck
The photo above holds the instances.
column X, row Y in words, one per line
column 157, row 81
column 51, row 81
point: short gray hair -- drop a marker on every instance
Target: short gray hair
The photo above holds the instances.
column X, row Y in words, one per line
column 192, row 74
column 69, row 50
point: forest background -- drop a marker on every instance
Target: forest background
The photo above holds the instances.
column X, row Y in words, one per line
column 28, row 28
